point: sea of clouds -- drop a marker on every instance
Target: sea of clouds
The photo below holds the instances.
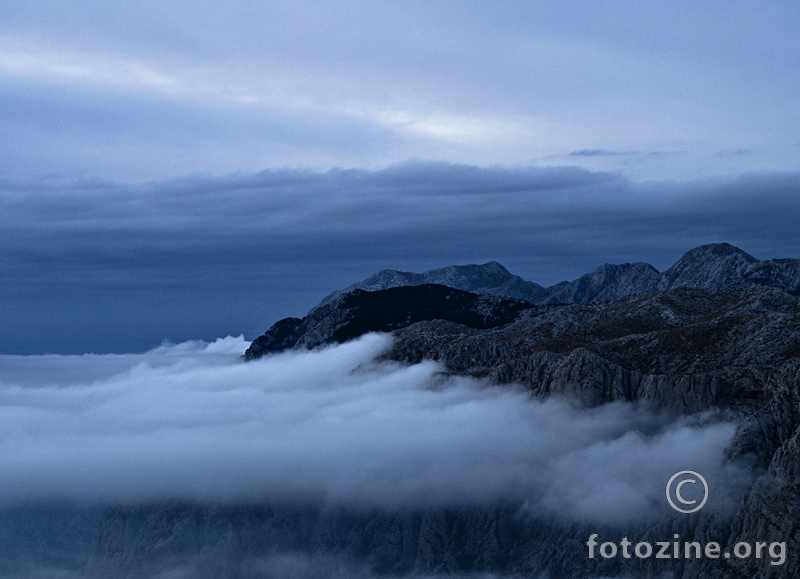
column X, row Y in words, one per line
column 193, row 421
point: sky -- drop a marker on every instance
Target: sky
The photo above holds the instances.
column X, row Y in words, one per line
column 160, row 90
column 189, row 170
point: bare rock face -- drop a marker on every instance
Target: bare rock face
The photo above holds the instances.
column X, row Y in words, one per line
column 782, row 273
column 771, row 510
column 685, row 350
column 607, row 283
column 714, row 266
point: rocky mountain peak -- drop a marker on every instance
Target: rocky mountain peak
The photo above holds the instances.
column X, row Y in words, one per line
column 489, row 278
column 712, row 266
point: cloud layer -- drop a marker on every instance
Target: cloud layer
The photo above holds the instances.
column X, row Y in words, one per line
column 104, row 267
column 192, row 421
column 153, row 91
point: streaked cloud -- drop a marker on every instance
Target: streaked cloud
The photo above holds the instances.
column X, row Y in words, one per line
column 271, row 90
column 19, row 61
column 593, row 153
column 154, row 92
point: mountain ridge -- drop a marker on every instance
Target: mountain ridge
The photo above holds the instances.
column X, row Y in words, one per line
column 711, row 266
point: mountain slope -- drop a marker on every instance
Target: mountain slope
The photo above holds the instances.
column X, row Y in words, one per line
column 712, row 267
column 357, row 312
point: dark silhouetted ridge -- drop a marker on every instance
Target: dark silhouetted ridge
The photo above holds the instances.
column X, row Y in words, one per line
column 358, row 312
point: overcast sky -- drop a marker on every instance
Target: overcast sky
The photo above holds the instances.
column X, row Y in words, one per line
column 152, row 90
column 196, row 169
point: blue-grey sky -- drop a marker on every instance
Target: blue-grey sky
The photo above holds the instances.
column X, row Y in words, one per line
column 187, row 170
column 154, row 90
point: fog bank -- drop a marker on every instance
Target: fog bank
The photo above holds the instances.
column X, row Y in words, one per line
column 193, row 422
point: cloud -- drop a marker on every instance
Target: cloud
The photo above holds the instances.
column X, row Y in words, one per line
column 150, row 91
column 594, row 153
column 733, row 153
column 103, row 266
column 193, row 422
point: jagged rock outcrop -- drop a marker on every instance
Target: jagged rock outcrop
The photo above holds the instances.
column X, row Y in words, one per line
column 771, row 510
column 684, row 350
column 225, row 541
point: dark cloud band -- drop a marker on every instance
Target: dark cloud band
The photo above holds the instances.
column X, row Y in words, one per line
column 111, row 267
